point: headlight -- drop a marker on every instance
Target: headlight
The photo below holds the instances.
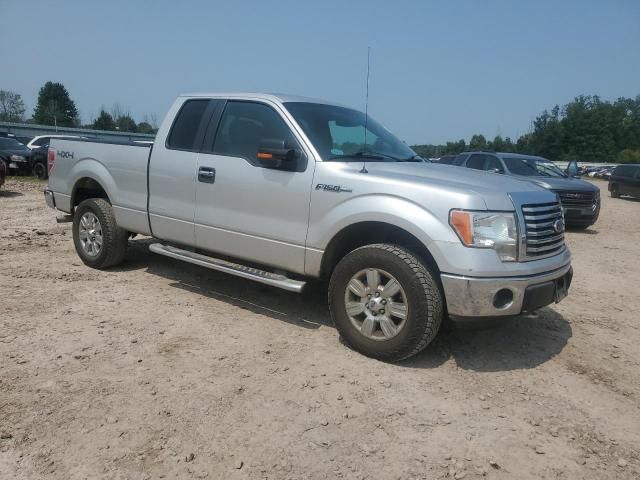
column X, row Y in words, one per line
column 17, row 158
column 495, row 230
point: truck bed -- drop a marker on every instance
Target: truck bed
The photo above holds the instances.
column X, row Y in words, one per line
column 122, row 166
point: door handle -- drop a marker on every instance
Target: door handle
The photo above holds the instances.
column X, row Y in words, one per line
column 207, row 174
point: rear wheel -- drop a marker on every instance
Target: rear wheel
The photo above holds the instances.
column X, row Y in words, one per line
column 615, row 193
column 385, row 302
column 39, row 170
column 99, row 242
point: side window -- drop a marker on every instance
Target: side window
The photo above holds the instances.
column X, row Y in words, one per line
column 623, row 171
column 185, row 127
column 459, row 160
column 244, row 126
column 41, row 141
column 493, row 164
column 476, row 162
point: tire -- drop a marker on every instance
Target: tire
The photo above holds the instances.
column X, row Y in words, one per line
column 419, row 296
column 113, row 246
column 578, row 226
column 614, row 191
column 39, row 170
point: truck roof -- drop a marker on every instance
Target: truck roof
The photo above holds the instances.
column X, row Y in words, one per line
column 277, row 97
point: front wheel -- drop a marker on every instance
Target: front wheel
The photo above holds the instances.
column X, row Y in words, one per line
column 385, row 302
column 99, row 242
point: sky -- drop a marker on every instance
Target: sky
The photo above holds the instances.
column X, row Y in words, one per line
column 440, row 70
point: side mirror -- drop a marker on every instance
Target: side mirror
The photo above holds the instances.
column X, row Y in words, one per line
column 273, row 150
column 572, row 169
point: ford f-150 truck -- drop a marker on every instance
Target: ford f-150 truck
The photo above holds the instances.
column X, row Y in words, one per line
column 281, row 189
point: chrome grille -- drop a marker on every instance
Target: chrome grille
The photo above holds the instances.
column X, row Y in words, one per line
column 541, row 227
column 576, row 199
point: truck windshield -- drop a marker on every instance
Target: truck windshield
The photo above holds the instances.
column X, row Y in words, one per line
column 533, row 167
column 338, row 133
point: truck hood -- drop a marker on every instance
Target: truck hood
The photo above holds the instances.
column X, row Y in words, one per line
column 559, row 183
column 493, row 189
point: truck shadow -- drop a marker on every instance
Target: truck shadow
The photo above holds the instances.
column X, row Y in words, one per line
column 499, row 344
column 479, row 345
column 9, row 194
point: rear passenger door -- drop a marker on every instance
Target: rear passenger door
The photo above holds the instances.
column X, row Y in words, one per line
column 172, row 172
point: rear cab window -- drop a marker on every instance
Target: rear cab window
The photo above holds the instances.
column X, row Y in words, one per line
column 186, row 125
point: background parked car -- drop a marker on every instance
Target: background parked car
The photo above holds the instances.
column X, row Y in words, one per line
column 3, row 173
column 40, row 146
column 16, row 157
column 446, row 159
column 580, row 200
column 625, row 180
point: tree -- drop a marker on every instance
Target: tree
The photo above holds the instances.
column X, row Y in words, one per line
column 55, row 107
column 104, row 121
column 125, row 123
column 478, row 142
column 11, row 106
column 145, row 127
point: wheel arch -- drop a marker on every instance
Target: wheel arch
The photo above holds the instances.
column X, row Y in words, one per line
column 87, row 187
column 365, row 233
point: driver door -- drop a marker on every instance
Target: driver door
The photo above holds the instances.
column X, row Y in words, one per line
column 249, row 208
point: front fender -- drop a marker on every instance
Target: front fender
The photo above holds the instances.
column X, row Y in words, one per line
column 385, row 208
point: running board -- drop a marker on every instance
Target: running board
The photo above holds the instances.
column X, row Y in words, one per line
column 236, row 269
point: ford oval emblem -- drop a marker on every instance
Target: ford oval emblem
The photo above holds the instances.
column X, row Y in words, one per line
column 558, row 226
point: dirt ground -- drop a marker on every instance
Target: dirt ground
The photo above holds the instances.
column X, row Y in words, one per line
column 160, row 369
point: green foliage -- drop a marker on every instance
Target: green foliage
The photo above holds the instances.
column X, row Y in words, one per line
column 55, row 106
column 104, row 121
column 478, row 142
column 145, row 127
column 587, row 129
column 125, row 123
column 11, row 106
column 628, row 156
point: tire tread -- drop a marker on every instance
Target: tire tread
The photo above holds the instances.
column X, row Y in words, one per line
column 431, row 302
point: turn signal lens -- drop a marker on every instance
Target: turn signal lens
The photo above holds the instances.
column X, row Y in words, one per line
column 265, row 156
column 461, row 223
column 51, row 159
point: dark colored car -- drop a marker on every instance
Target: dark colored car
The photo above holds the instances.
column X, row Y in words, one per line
column 580, row 200
column 625, row 180
column 39, row 161
column 3, row 173
column 16, row 156
column 446, row 159
column 40, row 147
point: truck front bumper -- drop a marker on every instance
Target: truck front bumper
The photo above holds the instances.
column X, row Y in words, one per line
column 504, row 296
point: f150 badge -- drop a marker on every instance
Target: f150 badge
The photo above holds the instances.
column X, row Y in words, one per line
column 332, row 188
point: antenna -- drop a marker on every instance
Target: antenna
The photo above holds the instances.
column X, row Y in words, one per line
column 366, row 111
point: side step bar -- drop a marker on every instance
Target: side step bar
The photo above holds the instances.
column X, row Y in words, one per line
column 236, row 269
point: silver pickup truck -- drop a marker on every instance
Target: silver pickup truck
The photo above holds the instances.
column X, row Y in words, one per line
column 280, row 189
